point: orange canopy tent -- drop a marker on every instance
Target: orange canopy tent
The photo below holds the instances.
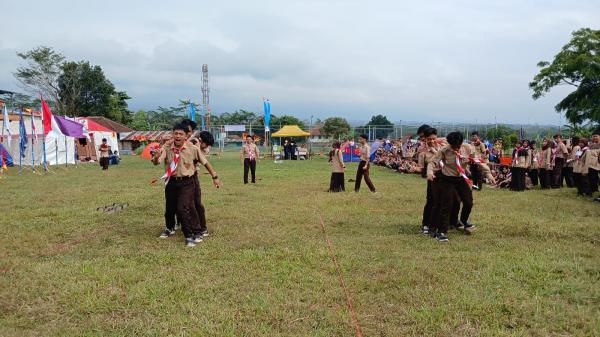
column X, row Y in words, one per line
column 146, row 153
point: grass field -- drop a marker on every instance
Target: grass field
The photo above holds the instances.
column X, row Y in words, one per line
column 531, row 269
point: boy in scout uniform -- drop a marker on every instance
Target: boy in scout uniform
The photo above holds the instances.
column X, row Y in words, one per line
column 449, row 180
column 180, row 160
column 363, row 166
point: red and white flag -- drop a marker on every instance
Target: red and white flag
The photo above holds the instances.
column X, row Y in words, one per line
column 51, row 128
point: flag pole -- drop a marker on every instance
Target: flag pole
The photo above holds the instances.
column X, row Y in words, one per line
column 66, row 153
column 43, row 138
column 21, row 125
column 32, row 143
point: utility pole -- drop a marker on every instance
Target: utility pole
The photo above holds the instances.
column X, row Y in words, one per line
column 205, row 95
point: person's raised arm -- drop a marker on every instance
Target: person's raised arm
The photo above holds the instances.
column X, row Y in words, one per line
column 202, row 160
column 159, row 156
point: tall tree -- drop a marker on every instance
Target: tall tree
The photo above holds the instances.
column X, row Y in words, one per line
column 336, row 127
column 287, row 120
column 382, row 126
column 40, row 73
column 576, row 65
column 85, row 91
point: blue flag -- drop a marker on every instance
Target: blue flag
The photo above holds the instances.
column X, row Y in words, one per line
column 192, row 111
column 22, row 135
column 267, row 110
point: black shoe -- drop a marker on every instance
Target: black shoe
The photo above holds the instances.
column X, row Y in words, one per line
column 166, row 233
column 467, row 227
column 597, row 199
column 198, row 238
column 424, row 229
column 441, row 237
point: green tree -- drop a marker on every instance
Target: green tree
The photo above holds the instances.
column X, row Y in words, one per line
column 335, row 127
column 576, row 65
column 287, row 120
column 40, row 73
column 579, row 130
column 501, row 131
column 381, row 125
column 140, row 121
column 84, row 90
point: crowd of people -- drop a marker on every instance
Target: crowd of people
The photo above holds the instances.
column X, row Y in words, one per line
column 454, row 168
column 554, row 164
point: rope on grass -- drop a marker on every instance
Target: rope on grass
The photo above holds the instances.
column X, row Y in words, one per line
column 342, row 282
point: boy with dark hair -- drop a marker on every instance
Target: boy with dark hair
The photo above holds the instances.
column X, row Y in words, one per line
column 249, row 154
column 104, row 149
column 180, row 161
column 363, row 166
column 451, row 178
column 593, row 161
column 560, row 157
column 430, row 149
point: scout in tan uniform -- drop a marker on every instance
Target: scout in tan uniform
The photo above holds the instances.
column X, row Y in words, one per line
column 248, row 156
column 363, row 166
column 570, row 162
column 431, row 209
column 581, row 169
column 560, row 158
column 481, row 169
column 519, row 166
column 336, row 159
column 534, row 165
column 452, row 177
column 545, row 162
column 180, row 161
column 593, row 160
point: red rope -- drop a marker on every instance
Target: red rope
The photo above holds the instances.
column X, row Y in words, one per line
column 342, row 283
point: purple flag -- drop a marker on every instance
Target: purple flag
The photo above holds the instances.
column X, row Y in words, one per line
column 69, row 128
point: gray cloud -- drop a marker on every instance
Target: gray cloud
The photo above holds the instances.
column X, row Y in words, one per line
column 443, row 61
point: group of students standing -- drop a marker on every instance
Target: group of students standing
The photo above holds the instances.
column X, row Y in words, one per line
column 575, row 162
column 181, row 153
column 338, row 167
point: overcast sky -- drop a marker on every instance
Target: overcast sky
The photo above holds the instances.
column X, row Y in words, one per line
column 429, row 61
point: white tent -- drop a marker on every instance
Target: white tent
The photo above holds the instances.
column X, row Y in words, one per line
column 59, row 150
column 98, row 132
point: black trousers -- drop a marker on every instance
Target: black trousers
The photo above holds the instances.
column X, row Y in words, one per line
column 433, row 218
column 200, row 211
column 428, row 214
column 557, row 173
column 249, row 165
column 593, row 180
column 533, row 174
column 447, row 188
column 583, row 184
column 170, row 209
column 517, row 180
column 567, row 173
column 476, row 176
column 360, row 173
column 544, row 178
column 104, row 163
column 181, row 193
column 337, row 182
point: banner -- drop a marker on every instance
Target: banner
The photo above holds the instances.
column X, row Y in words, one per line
column 235, row 128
